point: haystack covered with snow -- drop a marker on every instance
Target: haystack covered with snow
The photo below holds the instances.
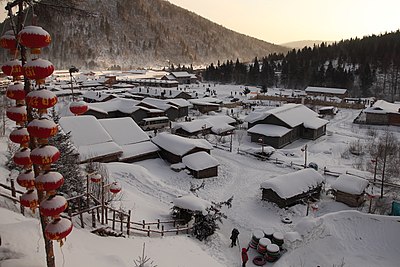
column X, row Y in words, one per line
column 174, row 147
column 292, row 188
column 201, row 164
column 349, row 189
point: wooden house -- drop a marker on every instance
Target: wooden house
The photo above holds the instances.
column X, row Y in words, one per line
column 383, row 113
column 292, row 188
column 171, row 111
column 350, row 190
column 201, row 164
column 174, row 147
column 280, row 126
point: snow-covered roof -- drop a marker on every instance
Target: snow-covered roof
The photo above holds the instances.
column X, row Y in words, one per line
column 337, row 91
column 181, row 74
column 193, row 203
column 193, row 126
column 269, row 130
column 220, row 119
column 179, row 102
column 350, row 184
column 123, row 105
column 291, row 114
column 200, row 102
column 179, row 145
column 381, row 106
column 295, row 183
column 124, row 131
column 85, row 130
column 157, row 103
column 138, row 149
column 199, row 161
column 98, row 150
column 218, row 124
column 97, row 95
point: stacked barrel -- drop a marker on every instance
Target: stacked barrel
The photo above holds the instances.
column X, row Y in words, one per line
column 34, row 128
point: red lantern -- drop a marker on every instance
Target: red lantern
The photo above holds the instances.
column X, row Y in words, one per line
column 45, row 155
column 95, row 178
column 42, row 128
column 38, row 69
column 78, row 108
column 16, row 91
column 34, row 37
column 23, row 158
column 49, row 181
column 53, row 206
column 115, row 188
column 8, row 41
column 17, row 114
column 29, row 200
column 58, row 229
column 41, row 99
column 12, row 68
column 20, row 136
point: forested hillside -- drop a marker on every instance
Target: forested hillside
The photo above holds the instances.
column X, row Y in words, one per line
column 137, row 33
column 367, row 67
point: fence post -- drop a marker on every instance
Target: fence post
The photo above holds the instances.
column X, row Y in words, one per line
column 174, row 222
column 162, row 230
column 187, row 229
column 128, row 223
column 121, row 216
column 144, row 224
column 22, row 210
column 80, row 212
column 93, row 219
column 158, row 223
column 13, row 193
column 98, row 214
column 148, row 231
column 113, row 223
column 106, row 214
column 177, row 229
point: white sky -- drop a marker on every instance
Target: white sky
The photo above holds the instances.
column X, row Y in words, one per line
column 280, row 21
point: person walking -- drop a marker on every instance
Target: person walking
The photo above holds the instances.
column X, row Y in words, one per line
column 245, row 257
column 234, row 236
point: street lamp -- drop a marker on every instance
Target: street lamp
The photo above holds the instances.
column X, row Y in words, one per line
column 72, row 69
column 304, row 149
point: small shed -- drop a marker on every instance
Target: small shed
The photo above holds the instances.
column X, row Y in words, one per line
column 350, row 189
column 292, row 188
column 186, row 206
column 201, row 164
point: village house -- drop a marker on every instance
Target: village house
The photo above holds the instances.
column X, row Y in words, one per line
column 280, row 126
column 174, row 147
column 293, row 188
column 182, row 77
column 171, row 111
column 327, row 92
column 350, row 190
column 206, row 104
column 218, row 125
column 201, row 165
column 383, row 113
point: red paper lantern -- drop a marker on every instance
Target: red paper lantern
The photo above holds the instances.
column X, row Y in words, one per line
column 115, row 188
column 8, row 41
column 79, row 107
column 42, row 128
column 41, row 99
column 34, row 37
column 16, row 91
column 49, row 181
column 58, row 229
column 29, row 200
column 17, row 114
column 22, row 157
column 53, row 206
column 38, row 70
column 95, row 178
column 12, row 68
column 26, row 179
column 45, row 155
column 20, row 136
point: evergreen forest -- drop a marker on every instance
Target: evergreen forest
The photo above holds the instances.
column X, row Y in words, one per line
column 366, row 67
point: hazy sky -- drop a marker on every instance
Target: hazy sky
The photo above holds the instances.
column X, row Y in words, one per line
column 280, row 21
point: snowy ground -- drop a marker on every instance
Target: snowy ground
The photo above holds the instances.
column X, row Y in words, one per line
column 335, row 235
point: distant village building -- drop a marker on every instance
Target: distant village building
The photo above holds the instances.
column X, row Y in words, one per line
column 280, row 126
column 292, row 188
column 206, row 104
column 182, row 77
column 325, row 91
column 383, row 113
column 350, row 190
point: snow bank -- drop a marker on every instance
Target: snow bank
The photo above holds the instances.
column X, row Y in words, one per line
column 193, row 203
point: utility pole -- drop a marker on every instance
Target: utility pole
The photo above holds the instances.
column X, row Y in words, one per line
column 50, row 259
column 384, row 163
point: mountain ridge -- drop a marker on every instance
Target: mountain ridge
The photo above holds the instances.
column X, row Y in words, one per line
column 139, row 33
